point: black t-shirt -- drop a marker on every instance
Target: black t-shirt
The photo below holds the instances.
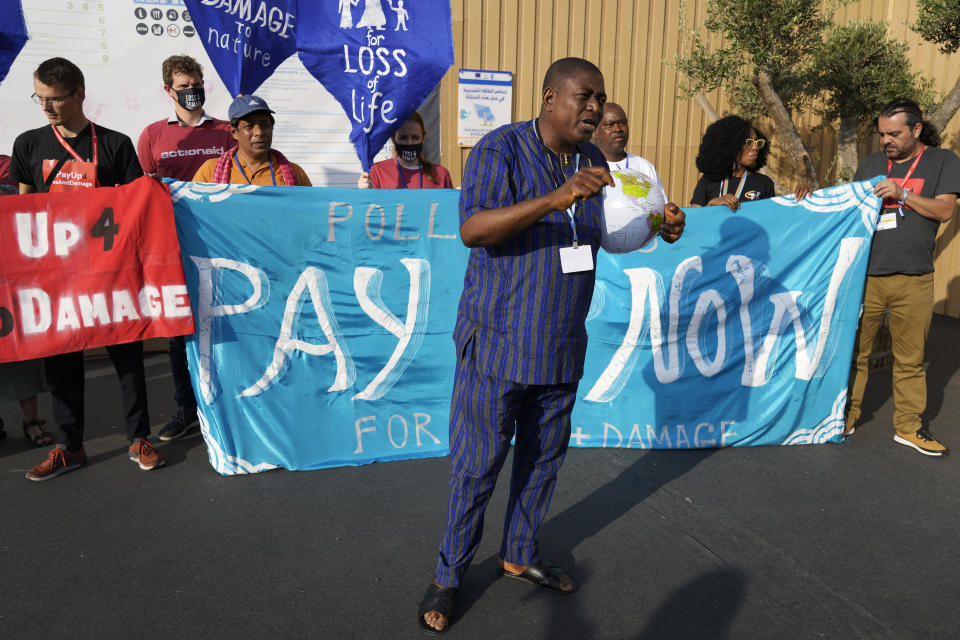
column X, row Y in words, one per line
column 908, row 247
column 116, row 158
column 757, row 187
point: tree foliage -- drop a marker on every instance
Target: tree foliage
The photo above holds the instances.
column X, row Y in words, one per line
column 783, row 56
column 765, row 35
column 858, row 68
column 938, row 21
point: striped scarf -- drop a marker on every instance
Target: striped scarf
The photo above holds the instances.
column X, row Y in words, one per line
column 221, row 174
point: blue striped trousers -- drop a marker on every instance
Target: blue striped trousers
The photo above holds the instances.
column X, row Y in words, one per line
column 485, row 414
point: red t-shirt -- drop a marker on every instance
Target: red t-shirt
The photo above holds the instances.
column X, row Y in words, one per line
column 5, row 171
column 176, row 151
column 388, row 174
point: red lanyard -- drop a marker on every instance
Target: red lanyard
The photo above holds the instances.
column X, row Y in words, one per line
column 76, row 156
column 912, row 166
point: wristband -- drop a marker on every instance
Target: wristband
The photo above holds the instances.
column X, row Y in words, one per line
column 906, row 192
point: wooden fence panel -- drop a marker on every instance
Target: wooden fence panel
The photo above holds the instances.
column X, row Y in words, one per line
column 631, row 41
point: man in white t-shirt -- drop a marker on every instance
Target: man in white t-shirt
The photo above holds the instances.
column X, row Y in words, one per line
column 611, row 137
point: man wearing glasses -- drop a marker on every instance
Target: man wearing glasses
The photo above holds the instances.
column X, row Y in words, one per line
column 731, row 154
column 611, row 138
column 74, row 154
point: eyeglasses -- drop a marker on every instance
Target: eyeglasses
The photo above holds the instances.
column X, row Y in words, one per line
column 616, row 124
column 750, row 143
column 54, row 100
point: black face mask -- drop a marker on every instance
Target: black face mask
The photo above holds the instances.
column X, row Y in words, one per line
column 191, row 99
column 409, row 152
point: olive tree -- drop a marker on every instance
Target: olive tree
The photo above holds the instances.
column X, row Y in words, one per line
column 783, row 56
column 855, row 71
column 938, row 22
column 761, row 65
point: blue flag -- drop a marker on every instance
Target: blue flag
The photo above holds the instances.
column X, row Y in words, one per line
column 246, row 40
column 379, row 58
column 13, row 35
column 326, row 340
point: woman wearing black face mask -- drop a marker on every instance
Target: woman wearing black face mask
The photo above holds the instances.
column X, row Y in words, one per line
column 409, row 169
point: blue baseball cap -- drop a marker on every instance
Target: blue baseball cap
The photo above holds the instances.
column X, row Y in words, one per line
column 245, row 105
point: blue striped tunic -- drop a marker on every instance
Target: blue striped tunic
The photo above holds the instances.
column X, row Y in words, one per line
column 525, row 316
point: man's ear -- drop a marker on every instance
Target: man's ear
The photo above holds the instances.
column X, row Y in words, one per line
column 549, row 98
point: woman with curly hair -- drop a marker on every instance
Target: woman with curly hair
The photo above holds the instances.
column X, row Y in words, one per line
column 409, row 169
column 731, row 153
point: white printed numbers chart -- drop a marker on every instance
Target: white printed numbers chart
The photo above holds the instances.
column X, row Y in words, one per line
column 75, row 29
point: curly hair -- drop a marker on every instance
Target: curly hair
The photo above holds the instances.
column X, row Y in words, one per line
column 179, row 64
column 722, row 143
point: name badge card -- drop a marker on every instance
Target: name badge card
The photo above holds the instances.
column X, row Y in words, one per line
column 888, row 220
column 576, row 259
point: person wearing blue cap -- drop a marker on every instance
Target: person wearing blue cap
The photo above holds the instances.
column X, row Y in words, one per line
column 252, row 160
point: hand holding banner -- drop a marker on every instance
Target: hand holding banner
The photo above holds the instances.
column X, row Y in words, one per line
column 89, row 270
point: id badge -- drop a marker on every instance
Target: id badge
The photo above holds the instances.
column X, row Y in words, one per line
column 576, row 259
column 888, row 220
column 73, row 176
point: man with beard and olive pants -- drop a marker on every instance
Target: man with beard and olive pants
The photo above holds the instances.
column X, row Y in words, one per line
column 919, row 194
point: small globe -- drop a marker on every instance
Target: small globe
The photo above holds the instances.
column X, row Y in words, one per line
column 632, row 212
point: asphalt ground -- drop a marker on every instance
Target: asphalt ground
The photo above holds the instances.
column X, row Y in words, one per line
column 856, row 540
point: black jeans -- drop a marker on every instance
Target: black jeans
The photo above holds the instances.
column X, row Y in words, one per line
column 182, row 389
column 66, row 380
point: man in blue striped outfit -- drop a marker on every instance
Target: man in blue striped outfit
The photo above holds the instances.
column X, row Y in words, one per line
column 530, row 210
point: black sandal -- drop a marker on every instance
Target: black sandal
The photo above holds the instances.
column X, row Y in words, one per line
column 42, row 439
column 439, row 599
column 542, row 574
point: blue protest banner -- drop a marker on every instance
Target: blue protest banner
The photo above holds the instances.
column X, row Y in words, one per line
column 380, row 59
column 13, row 35
column 246, row 40
column 324, row 321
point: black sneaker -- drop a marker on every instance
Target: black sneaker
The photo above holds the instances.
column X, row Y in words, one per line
column 181, row 422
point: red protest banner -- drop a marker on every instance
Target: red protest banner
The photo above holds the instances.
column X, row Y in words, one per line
column 88, row 269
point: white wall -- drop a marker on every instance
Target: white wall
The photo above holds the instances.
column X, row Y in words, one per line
column 125, row 89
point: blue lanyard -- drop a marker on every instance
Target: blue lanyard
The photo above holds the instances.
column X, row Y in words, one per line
column 403, row 182
column 272, row 177
column 572, row 210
